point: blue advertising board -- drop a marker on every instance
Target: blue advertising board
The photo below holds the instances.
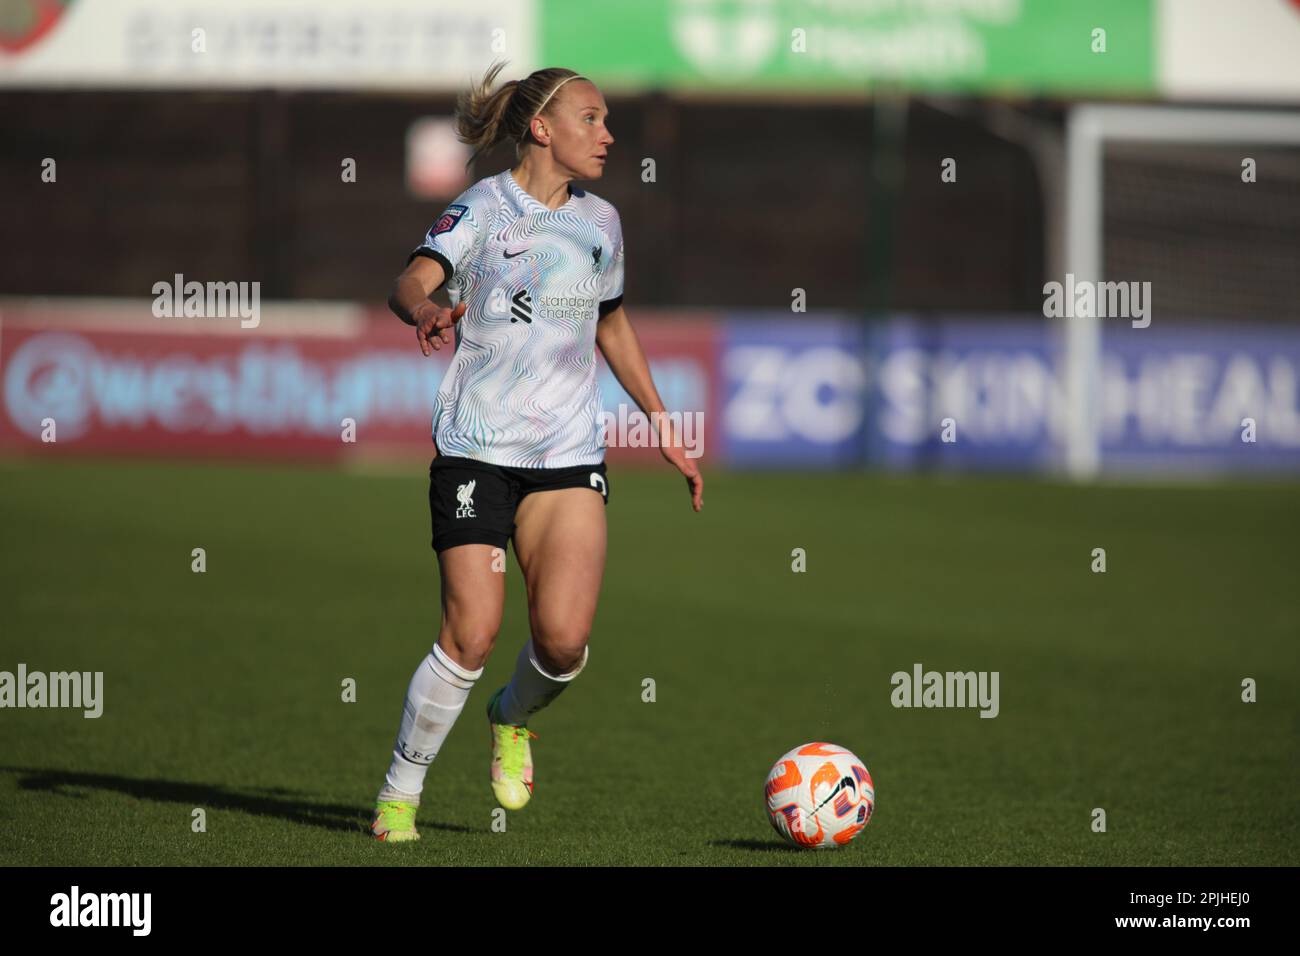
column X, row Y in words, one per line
column 989, row 392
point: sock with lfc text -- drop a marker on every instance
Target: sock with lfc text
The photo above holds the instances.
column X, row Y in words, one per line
column 436, row 696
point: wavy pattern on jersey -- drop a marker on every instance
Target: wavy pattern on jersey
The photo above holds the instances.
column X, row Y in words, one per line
column 524, row 394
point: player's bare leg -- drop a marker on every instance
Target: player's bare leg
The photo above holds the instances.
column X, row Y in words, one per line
column 473, row 600
column 560, row 544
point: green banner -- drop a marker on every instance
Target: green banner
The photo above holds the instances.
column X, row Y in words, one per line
column 1066, row 47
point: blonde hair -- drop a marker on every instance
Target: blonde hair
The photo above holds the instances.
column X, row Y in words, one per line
column 486, row 117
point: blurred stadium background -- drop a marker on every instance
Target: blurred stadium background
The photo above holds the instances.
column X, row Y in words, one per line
column 771, row 171
column 764, row 147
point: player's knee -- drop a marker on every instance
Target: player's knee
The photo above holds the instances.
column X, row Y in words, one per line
column 559, row 649
column 468, row 645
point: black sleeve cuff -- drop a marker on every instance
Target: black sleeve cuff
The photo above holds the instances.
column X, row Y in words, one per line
column 610, row 305
column 437, row 257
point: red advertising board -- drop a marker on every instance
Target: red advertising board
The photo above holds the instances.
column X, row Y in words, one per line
column 107, row 377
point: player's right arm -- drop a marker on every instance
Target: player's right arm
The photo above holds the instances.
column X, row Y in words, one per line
column 410, row 302
column 453, row 241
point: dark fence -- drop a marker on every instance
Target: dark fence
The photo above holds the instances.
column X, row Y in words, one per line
column 752, row 199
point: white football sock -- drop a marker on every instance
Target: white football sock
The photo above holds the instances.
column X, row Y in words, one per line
column 532, row 688
column 434, row 699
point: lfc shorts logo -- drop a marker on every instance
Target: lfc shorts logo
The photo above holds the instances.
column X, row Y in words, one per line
column 465, row 495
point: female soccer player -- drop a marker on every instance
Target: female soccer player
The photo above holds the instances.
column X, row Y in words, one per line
column 534, row 271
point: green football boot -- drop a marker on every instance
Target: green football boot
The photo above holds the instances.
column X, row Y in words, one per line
column 512, row 760
column 394, row 821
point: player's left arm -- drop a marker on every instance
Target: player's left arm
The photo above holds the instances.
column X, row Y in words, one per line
column 619, row 344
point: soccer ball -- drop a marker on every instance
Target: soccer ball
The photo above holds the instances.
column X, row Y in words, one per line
column 819, row 796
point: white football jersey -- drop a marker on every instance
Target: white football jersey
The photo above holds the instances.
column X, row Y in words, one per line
column 521, row 389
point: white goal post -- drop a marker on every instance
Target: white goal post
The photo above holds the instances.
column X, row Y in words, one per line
column 1088, row 129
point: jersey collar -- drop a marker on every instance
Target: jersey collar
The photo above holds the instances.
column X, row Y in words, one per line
column 531, row 204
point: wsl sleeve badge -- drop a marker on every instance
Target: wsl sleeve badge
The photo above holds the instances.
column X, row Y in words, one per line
column 819, row 796
column 447, row 221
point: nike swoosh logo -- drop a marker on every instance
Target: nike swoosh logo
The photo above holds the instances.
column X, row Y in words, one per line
column 838, row 787
column 511, row 255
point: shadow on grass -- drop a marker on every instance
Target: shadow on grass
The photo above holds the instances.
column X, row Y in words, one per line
column 759, row 846
column 276, row 802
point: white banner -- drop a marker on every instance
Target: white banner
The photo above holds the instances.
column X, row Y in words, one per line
column 1228, row 50
column 349, row 44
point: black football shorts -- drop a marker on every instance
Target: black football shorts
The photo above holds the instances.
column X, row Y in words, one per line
column 473, row 502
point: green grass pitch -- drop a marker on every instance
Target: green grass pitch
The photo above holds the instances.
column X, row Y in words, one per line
column 222, row 690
